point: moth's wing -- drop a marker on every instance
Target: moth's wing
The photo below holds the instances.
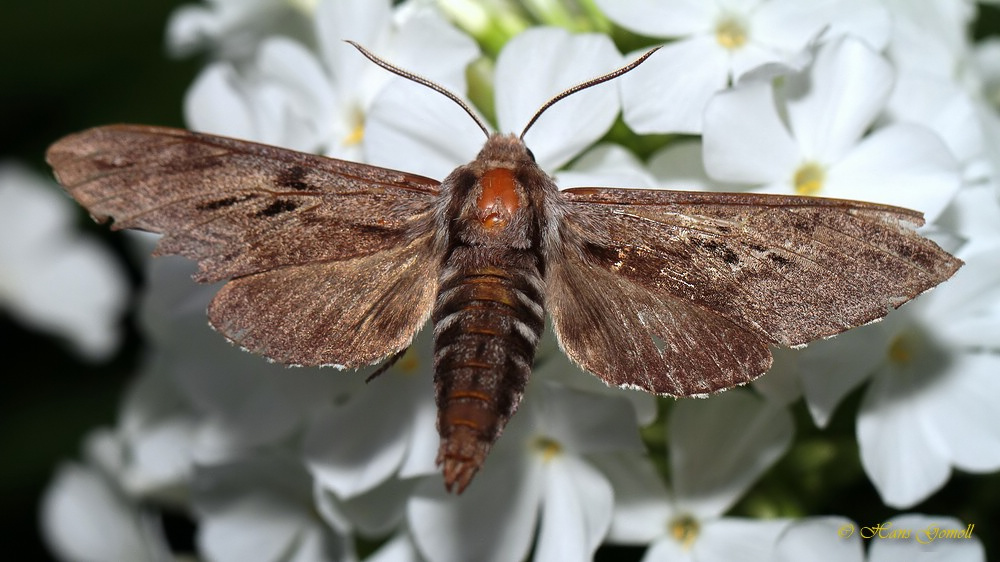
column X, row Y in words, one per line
column 238, row 207
column 331, row 261
column 347, row 313
column 682, row 292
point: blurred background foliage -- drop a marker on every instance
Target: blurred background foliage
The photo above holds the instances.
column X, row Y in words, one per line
column 69, row 65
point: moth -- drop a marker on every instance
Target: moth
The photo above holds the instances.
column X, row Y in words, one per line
column 332, row 262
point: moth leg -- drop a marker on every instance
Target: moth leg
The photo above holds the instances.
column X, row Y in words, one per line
column 388, row 364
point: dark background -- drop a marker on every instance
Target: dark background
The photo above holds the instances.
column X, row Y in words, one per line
column 68, row 65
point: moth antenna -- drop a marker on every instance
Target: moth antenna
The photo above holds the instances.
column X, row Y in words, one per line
column 420, row 80
column 583, row 86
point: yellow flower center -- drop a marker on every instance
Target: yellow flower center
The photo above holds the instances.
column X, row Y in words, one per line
column 809, row 179
column 356, row 135
column 547, row 447
column 409, row 363
column 899, row 350
column 685, row 530
column 731, row 33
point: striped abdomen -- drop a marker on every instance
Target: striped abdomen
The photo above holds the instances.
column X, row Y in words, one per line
column 487, row 322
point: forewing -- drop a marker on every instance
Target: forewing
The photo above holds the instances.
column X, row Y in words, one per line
column 765, row 269
column 331, row 262
column 238, row 207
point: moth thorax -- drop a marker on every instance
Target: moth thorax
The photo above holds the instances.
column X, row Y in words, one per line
column 498, row 198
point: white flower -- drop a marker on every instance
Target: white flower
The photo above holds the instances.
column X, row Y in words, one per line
column 412, row 128
column 84, row 516
column 946, row 108
column 942, row 82
column 930, row 405
column 931, row 366
column 569, row 375
column 807, row 136
column 318, row 101
column 679, row 165
column 820, row 539
column 150, row 453
column 974, row 214
column 260, row 509
column 51, row 276
column 383, row 430
column 930, row 36
column 242, row 402
column 717, row 42
column 606, row 165
column 717, row 448
column 986, row 58
column 538, row 475
column 234, row 28
column 282, row 98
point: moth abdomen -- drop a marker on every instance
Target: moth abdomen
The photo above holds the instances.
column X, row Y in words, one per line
column 487, row 323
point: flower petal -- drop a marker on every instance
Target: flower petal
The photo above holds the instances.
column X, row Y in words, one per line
column 557, row 368
column 924, row 545
column 832, row 104
column 666, row 548
column 963, row 417
column 974, row 214
column 965, row 313
column 661, row 18
column 427, row 43
column 745, row 140
column 943, row 106
column 378, row 512
column 719, row 446
column 904, row 165
column 830, row 369
column 83, row 517
column 642, row 508
column 586, row 422
column 53, row 277
column 399, row 548
column 680, row 166
column 257, row 509
column 351, row 452
column 417, row 130
column 576, row 510
column 790, row 24
column 606, row 165
column 364, row 21
column 903, row 465
column 820, row 539
column 668, row 92
column 541, row 62
column 213, row 105
column 448, row 528
column 731, row 538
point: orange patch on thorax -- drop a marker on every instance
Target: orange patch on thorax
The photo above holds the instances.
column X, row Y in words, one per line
column 498, row 199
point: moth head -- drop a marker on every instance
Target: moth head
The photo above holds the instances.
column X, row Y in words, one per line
column 505, row 150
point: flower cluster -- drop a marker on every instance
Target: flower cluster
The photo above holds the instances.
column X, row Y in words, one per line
column 878, row 100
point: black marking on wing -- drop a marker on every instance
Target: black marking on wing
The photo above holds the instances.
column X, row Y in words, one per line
column 224, row 202
column 294, row 178
column 278, row 207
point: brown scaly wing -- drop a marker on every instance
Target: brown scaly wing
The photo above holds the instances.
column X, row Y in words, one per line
column 681, row 293
column 331, row 260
